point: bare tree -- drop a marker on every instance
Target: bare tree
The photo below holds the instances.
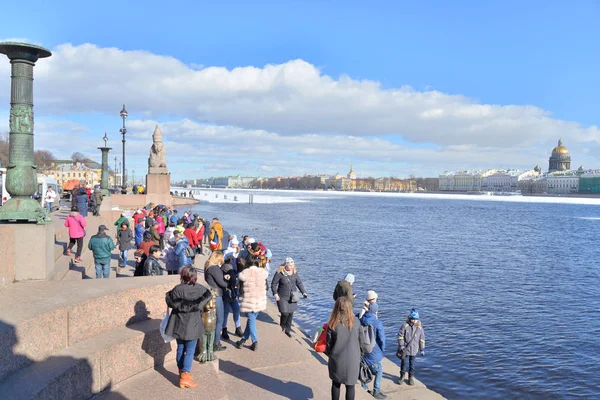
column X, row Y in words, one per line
column 4, row 149
column 77, row 157
column 43, row 158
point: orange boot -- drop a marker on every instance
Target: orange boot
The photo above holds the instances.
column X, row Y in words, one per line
column 185, row 381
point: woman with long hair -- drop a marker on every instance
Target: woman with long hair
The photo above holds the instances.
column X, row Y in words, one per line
column 185, row 323
column 76, row 224
column 253, row 299
column 214, row 277
column 343, row 348
column 286, row 287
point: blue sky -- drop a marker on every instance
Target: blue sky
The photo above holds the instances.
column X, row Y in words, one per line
column 541, row 56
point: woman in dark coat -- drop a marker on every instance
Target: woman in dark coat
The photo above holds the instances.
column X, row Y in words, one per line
column 124, row 239
column 343, row 348
column 185, row 323
column 285, row 281
column 82, row 202
column 214, row 277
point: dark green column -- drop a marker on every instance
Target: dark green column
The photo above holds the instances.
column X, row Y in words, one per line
column 104, row 176
column 21, row 179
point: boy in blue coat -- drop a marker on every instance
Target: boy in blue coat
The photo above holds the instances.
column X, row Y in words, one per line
column 374, row 358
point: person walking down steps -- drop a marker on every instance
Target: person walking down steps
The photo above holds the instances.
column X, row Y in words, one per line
column 101, row 246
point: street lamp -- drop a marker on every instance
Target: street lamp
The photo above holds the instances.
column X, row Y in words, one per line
column 115, row 173
column 123, row 131
column 133, row 177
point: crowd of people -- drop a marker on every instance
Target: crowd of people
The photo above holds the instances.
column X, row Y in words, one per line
column 236, row 275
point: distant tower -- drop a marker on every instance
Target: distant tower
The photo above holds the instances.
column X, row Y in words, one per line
column 560, row 160
column 351, row 174
column 538, row 169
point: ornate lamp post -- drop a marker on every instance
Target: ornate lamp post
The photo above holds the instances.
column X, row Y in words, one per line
column 123, row 131
column 21, row 180
column 115, row 173
column 104, row 176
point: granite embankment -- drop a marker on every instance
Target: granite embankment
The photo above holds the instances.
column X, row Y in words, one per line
column 80, row 338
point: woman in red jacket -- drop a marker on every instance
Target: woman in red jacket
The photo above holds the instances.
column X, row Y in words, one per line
column 190, row 234
column 199, row 229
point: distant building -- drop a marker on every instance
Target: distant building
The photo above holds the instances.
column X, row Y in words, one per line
column 563, row 183
column 559, row 160
column 506, row 181
column 463, row 181
column 87, row 170
column 589, row 181
column 351, row 174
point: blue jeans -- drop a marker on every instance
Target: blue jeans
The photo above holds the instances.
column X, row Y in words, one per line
column 124, row 257
column 185, row 354
column 250, row 331
column 49, row 204
column 102, row 268
column 220, row 315
column 235, row 307
column 377, row 370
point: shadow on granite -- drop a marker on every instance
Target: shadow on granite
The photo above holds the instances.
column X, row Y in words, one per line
column 153, row 344
column 287, row 390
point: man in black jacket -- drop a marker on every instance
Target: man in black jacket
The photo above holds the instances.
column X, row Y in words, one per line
column 152, row 266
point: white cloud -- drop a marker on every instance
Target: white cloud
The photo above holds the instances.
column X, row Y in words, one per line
column 251, row 117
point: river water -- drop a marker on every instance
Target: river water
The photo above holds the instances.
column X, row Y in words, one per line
column 508, row 292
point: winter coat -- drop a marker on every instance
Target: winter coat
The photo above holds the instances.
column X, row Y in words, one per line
column 76, row 224
column 170, row 259
column 411, row 338
column 180, row 247
column 154, row 231
column 343, row 288
column 137, row 217
column 102, row 246
column 206, row 225
column 160, row 225
column 145, row 247
column 139, row 234
column 150, row 222
column 232, row 283
column 152, row 267
column 283, row 286
column 190, row 234
column 98, row 196
column 376, row 355
column 199, row 235
column 180, row 228
column 82, row 204
column 215, row 279
column 216, row 231
column 253, row 295
column 174, row 218
column 169, row 233
column 187, row 302
column 343, row 348
column 124, row 238
column 121, row 221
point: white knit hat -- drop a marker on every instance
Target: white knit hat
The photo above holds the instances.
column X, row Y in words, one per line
column 372, row 295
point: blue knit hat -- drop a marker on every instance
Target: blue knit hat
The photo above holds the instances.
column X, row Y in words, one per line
column 373, row 308
column 414, row 314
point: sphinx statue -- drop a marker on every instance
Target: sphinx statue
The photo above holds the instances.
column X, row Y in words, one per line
column 157, row 162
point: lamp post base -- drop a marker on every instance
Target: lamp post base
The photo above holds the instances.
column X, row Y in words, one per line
column 24, row 209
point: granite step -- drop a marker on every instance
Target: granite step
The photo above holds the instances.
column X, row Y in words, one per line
column 163, row 383
column 92, row 365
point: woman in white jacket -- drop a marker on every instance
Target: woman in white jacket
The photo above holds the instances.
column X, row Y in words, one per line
column 253, row 299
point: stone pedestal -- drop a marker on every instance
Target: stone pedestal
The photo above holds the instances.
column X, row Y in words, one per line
column 158, row 187
column 106, row 204
column 28, row 252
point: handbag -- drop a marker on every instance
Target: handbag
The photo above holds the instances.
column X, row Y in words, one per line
column 294, row 294
column 163, row 327
column 365, row 375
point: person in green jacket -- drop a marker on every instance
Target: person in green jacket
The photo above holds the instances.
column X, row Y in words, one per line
column 101, row 246
column 121, row 220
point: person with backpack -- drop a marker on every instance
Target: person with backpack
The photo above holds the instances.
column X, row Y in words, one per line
column 344, row 344
column 101, row 246
column 214, row 277
column 286, row 287
column 76, row 224
column 373, row 347
column 190, row 234
column 216, row 235
column 411, row 340
column 181, row 249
